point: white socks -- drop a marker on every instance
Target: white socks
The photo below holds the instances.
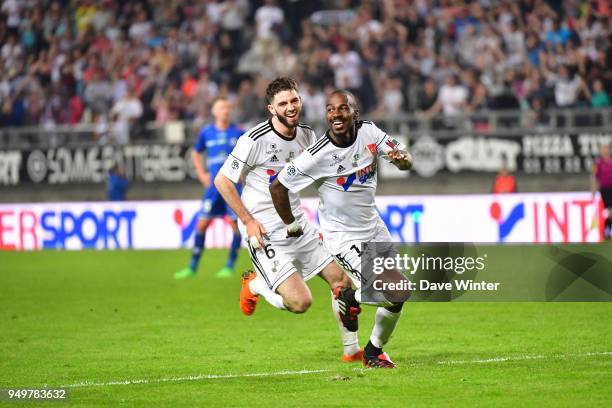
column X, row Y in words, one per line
column 349, row 339
column 384, row 324
column 258, row 286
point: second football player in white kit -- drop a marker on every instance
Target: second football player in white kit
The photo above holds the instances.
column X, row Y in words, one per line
column 342, row 165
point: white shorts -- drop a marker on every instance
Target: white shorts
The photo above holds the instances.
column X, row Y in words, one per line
column 283, row 256
column 349, row 254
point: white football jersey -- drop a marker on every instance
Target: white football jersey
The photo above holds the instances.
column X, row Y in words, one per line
column 347, row 210
column 259, row 155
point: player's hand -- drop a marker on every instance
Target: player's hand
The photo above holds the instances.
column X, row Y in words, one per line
column 294, row 230
column 401, row 159
column 205, row 179
column 255, row 232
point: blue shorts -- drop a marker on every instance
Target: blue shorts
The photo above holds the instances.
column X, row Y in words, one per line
column 213, row 206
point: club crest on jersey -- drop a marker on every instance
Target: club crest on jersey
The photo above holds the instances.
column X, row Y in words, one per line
column 291, row 157
column 355, row 159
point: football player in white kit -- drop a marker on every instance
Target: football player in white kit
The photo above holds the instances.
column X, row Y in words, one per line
column 283, row 264
column 342, row 165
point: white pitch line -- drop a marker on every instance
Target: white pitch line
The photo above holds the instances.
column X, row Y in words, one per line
column 524, row 358
column 199, row 377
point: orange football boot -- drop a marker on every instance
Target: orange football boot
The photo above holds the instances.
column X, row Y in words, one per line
column 353, row 357
column 248, row 300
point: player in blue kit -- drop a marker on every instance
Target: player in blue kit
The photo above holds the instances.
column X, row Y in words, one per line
column 218, row 140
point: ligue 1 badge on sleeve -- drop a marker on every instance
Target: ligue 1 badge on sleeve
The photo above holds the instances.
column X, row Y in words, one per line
column 291, row 170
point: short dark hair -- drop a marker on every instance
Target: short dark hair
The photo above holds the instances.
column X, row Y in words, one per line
column 279, row 85
column 350, row 98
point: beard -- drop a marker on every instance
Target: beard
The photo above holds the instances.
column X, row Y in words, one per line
column 285, row 121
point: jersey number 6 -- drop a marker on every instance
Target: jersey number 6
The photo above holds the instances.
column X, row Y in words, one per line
column 269, row 251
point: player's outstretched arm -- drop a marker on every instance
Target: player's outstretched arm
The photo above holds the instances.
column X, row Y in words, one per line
column 280, row 198
column 228, row 191
column 401, row 159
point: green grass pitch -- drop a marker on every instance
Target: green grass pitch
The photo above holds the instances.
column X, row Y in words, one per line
column 98, row 319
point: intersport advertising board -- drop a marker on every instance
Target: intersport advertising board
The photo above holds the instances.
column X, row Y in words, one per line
column 526, row 218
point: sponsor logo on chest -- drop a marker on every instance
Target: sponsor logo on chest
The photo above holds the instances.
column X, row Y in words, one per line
column 335, row 159
column 273, row 148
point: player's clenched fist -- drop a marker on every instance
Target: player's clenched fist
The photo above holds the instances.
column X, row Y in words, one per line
column 402, row 159
column 255, row 232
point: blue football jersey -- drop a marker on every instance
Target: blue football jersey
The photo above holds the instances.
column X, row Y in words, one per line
column 218, row 145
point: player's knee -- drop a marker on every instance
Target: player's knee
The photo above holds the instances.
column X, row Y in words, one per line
column 342, row 281
column 202, row 225
column 300, row 305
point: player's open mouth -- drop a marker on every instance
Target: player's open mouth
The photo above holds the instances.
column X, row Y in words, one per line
column 337, row 124
column 291, row 115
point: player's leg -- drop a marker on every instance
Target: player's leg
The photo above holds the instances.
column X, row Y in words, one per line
column 197, row 249
column 385, row 321
column 277, row 279
column 228, row 270
column 296, row 295
column 387, row 314
column 254, row 286
column 337, row 281
column 210, row 209
column 292, row 294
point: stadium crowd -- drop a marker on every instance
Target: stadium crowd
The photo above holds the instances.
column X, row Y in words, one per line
column 121, row 63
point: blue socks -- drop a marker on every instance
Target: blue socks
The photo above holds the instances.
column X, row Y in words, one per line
column 233, row 254
column 198, row 249
column 196, row 252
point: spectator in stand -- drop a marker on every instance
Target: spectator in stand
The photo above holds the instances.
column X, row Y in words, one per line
column 347, row 68
column 427, row 96
column 568, row 88
column 11, row 52
column 313, row 103
column 452, row 101
column 602, row 180
column 391, row 100
column 232, row 16
column 117, row 184
column 269, row 19
column 599, row 97
column 248, row 109
column 125, row 114
column 94, row 48
column 12, row 10
column 98, row 93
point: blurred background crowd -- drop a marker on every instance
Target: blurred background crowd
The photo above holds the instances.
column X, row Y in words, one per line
column 127, row 63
